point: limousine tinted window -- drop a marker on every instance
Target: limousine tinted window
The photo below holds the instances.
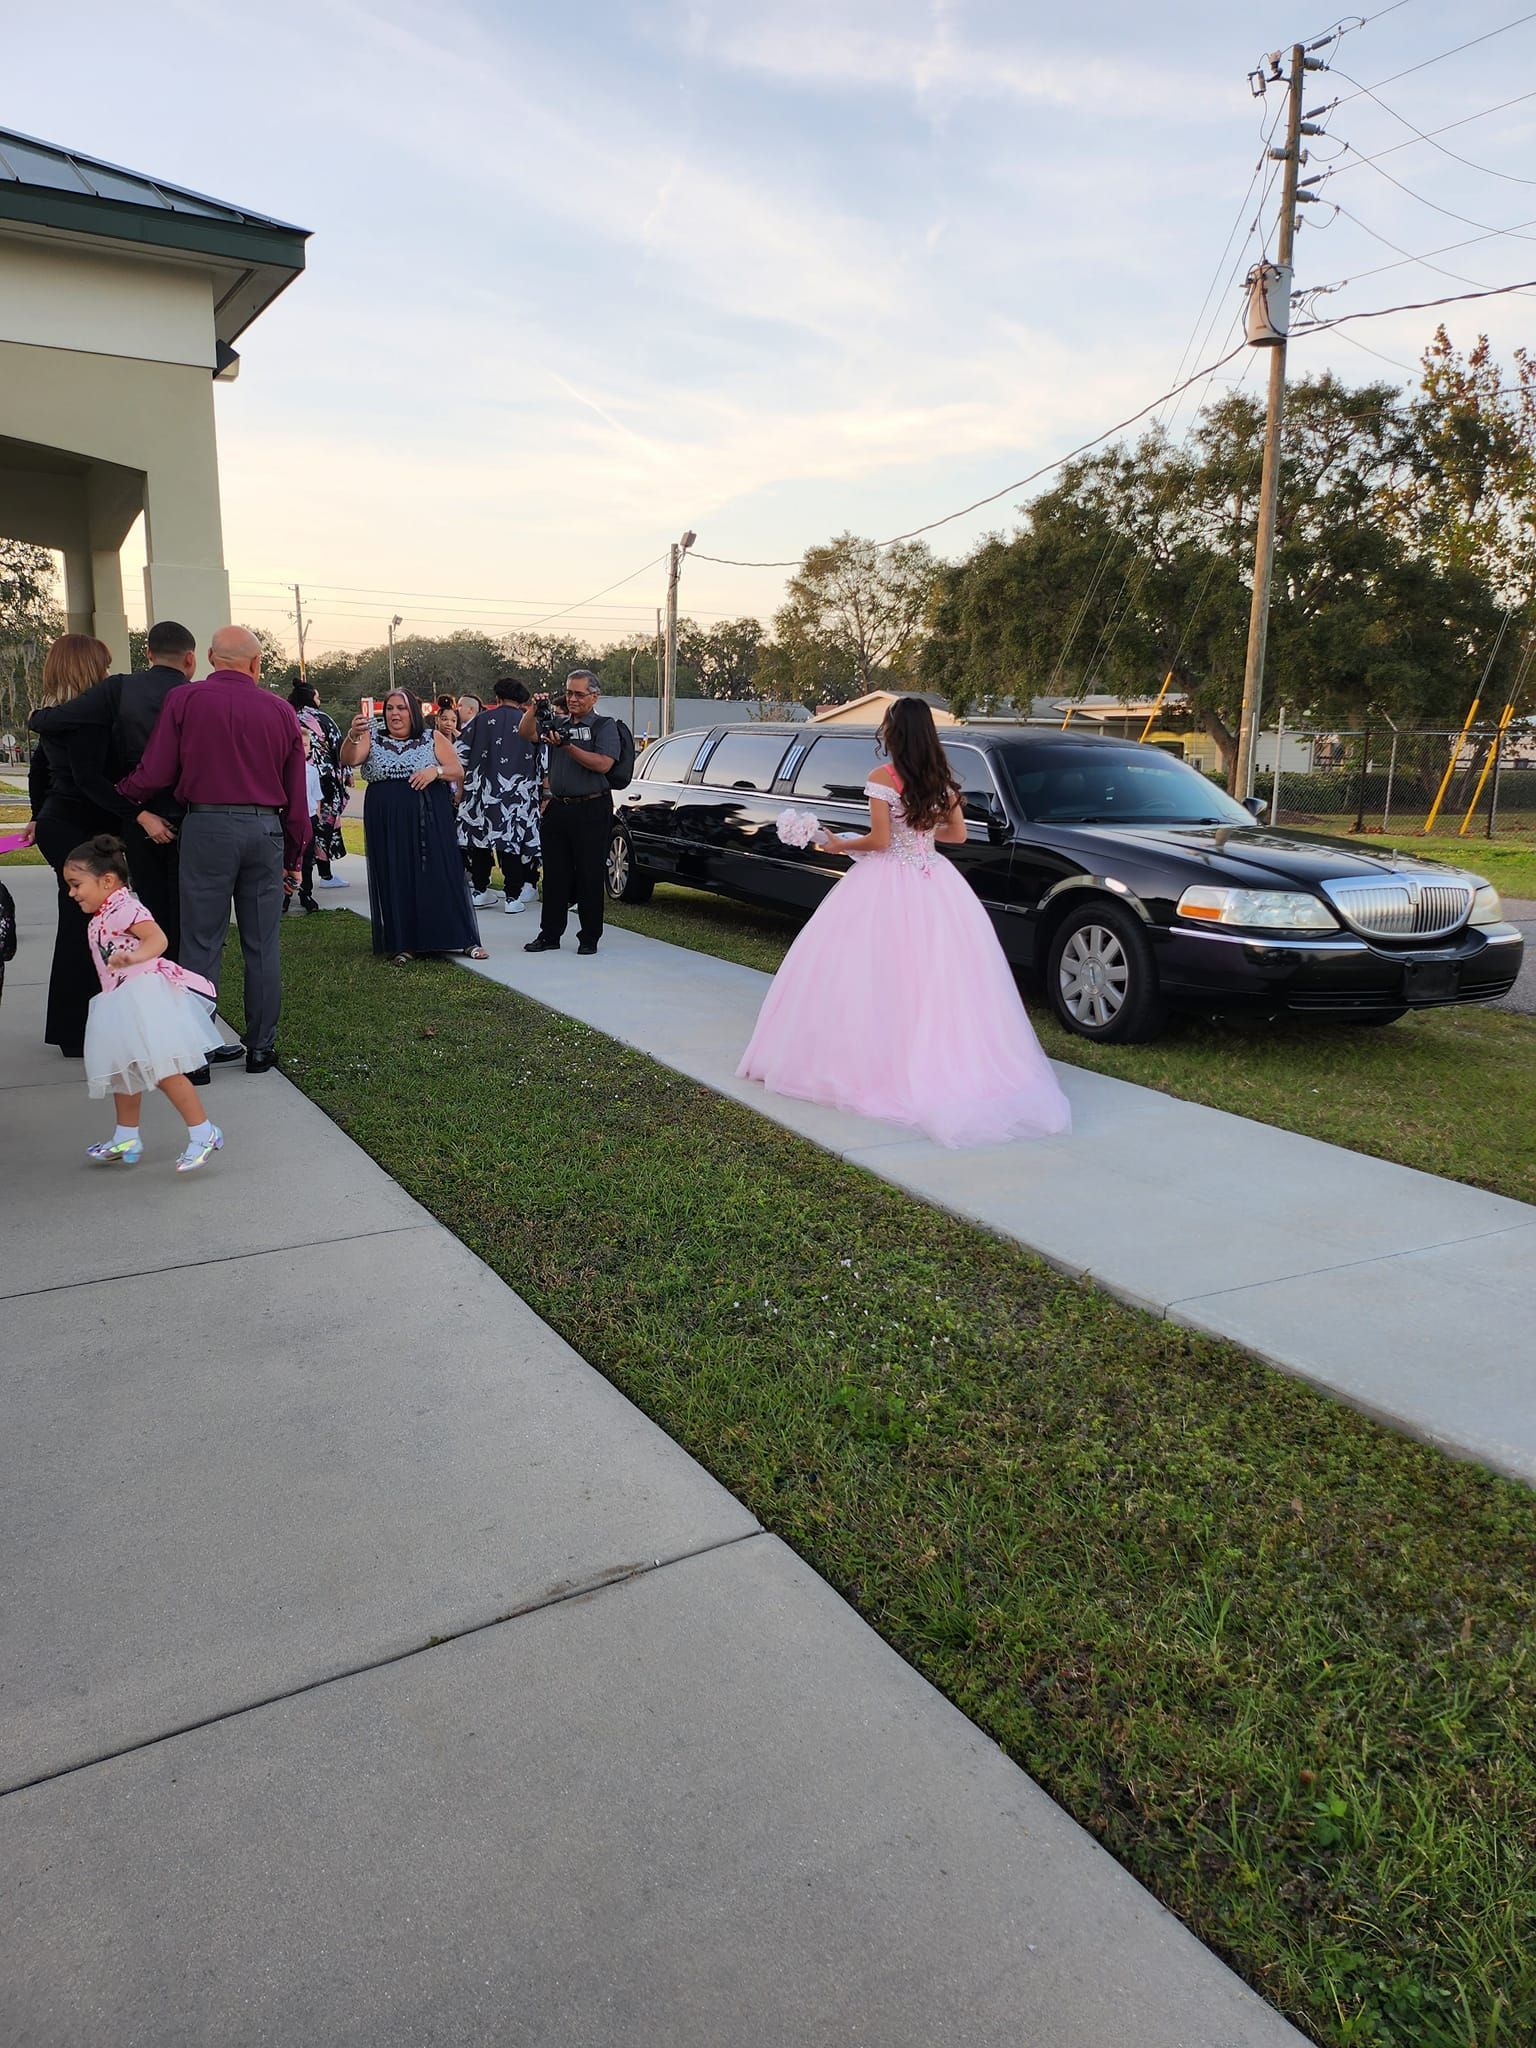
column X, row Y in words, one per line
column 978, row 792
column 1059, row 782
column 670, row 760
column 746, row 760
column 837, row 768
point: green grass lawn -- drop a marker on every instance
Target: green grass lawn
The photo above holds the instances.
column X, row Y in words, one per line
column 1277, row 1659
column 1450, row 1091
column 1509, row 863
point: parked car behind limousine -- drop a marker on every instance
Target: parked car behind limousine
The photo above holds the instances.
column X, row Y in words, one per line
column 1120, row 876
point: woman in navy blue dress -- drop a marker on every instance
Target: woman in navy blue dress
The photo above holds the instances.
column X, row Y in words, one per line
column 418, row 893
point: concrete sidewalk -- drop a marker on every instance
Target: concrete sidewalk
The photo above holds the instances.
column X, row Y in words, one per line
column 1412, row 1297
column 372, row 1672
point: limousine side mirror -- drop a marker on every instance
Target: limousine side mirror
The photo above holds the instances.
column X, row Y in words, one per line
column 1255, row 806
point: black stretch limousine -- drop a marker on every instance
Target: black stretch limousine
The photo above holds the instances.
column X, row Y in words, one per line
column 1121, row 876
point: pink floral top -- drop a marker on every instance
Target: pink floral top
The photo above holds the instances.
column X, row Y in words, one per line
column 111, row 929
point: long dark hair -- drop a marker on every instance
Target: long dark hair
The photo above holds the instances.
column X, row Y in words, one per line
column 304, row 697
column 928, row 786
column 412, row 704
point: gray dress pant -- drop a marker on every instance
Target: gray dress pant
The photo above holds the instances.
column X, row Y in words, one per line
column 235, row 857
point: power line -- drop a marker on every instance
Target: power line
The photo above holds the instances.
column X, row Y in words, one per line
column 1449, row 212
column 1497, row 291
column 1428, row 135
column 1377, row 270
column 654, row 562
column 1453, row 52
column 1407, row 256
column 436, row 596
column 1354, row 340
column 1022, row 482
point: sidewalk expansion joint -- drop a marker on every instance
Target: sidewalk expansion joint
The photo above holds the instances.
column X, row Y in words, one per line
column 261, row 1251
column 559, row 1596
column 1406, row 1251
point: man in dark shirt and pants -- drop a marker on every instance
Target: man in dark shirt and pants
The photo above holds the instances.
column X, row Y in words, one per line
column 234, row 755
column 578, row 821
column 128, row 705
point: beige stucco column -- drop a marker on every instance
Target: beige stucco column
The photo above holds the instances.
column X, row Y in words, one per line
column 184, row 574
column 145, row 432
column 114, row 498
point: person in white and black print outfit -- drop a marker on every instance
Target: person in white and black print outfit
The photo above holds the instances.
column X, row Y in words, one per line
column 578, row 820
column 499, row 811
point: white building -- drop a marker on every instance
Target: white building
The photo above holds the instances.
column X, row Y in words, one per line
column 121, row 299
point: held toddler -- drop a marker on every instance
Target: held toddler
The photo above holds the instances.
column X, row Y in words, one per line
column 148, row 1028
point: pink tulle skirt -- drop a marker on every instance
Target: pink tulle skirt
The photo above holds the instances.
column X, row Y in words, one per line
column 896, row 1002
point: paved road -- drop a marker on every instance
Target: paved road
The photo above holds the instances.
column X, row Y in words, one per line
column 1522, row 996
column 1410, row 1296
column 371, row 1672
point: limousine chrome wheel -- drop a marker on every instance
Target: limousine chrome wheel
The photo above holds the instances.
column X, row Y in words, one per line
column 625, row 883
column 1103, row 979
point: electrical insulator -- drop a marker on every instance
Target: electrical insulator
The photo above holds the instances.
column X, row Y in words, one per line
column 1269, row 304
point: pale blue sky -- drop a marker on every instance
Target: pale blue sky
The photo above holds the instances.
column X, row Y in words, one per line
column 584, row 276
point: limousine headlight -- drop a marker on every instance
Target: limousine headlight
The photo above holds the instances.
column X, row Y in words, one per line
column 1268, row 910
column 1486, row 907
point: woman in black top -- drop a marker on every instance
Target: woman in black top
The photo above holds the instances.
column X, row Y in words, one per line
column 72, row 799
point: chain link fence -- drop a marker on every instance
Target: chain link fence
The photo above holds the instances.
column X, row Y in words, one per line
column 1480, row 782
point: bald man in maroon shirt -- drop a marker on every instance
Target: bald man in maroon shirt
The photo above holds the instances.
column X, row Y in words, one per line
column 234, row 756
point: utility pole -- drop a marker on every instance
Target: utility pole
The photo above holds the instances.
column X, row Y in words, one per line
column 395, row 621
column 675, row 556
column 658, row 668
column 298, row 619
column 1278, row 277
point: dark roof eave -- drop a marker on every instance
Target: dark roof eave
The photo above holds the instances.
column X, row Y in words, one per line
column 190, row 234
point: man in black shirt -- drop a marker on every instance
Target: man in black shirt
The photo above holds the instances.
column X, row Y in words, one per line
column 128, row 706
column 578, row 821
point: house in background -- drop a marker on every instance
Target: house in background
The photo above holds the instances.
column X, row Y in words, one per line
column 874, row 704
column 1168, row 724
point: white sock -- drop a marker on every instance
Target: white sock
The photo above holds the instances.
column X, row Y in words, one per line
column 199, row 1134
column 125, row 1132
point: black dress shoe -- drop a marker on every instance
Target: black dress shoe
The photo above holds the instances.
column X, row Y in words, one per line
column 226, row 1055
column 587, row 946
column 199, row 1077
column 261, row 1062
column 542, row 945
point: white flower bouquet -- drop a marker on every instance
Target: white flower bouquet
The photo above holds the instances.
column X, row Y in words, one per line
column 797, row 828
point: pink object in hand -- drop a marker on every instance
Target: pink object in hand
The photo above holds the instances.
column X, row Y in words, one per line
column 13, row 842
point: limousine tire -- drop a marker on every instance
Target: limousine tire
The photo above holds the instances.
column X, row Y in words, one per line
column 622, row 876
column 1101, row 980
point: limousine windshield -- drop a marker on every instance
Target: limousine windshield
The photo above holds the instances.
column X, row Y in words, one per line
column 1097, row 783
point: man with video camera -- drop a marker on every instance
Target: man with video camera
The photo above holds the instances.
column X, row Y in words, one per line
column 578, row 822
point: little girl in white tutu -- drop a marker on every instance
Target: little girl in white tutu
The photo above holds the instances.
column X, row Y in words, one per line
column 149, row 1027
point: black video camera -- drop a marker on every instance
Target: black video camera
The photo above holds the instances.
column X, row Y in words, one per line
column 550, row 723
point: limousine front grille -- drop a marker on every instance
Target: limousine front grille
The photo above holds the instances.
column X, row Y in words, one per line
column 1401, row 906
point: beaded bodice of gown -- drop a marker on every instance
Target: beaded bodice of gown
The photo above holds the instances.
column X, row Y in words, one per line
column 912, row 849
column 390, row 760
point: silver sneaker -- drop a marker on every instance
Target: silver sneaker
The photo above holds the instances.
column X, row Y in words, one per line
column 513, row 905
column 480, row 898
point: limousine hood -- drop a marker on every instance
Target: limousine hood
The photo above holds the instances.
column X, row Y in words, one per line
column 1258, row 856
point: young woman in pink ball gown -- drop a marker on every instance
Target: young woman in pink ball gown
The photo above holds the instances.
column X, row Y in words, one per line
column 896, row 1001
